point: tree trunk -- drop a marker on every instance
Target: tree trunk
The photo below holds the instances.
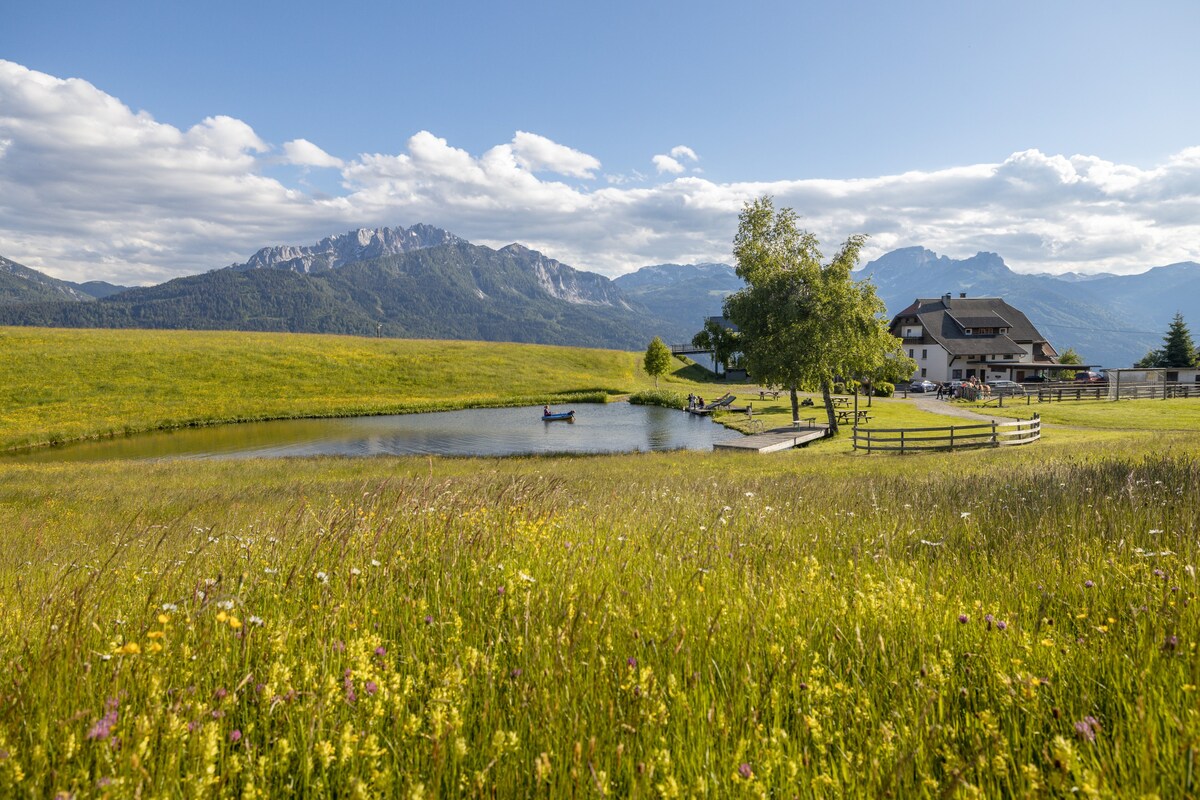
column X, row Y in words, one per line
column 795, row 404
column 830, row 414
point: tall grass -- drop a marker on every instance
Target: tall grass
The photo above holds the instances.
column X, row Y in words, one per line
column 657, row 625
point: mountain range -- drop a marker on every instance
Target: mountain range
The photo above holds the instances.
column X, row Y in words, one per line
column 424, row 282
column 420, row 282
column 1110, row 320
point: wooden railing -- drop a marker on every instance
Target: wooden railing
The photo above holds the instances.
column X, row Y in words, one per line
column 984, row 434
column 688, row 349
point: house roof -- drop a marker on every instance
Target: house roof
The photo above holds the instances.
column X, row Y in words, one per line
column 945, row 320
column 981, row 321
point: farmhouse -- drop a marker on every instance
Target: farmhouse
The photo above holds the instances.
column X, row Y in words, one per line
column 955, row 338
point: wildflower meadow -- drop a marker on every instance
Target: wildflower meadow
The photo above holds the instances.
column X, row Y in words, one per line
column 670, row 625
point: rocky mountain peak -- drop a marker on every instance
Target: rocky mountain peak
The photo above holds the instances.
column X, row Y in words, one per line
column 347, row 248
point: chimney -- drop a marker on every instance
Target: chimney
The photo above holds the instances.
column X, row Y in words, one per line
column 946, row 296
column 962, row 294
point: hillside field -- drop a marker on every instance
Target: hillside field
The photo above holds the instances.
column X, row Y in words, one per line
column 816, row 623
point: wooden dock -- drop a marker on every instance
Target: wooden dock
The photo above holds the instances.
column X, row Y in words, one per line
column 773, row 440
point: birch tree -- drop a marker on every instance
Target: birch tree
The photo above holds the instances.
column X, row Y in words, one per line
column 804, row 323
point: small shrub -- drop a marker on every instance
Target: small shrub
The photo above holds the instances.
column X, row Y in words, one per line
column 839, row 388
column 885, row 389
column 658, row 397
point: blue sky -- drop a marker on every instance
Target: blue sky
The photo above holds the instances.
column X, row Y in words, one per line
column 1064, row 136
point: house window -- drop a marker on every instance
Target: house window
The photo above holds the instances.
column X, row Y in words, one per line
column 910, row 353
column 956, row 374
column 923, row 372
column 924, row 354
column 967, row 331
column 1009, row 356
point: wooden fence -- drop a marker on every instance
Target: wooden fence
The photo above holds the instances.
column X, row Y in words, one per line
column 983, row 434
column 1057, row 393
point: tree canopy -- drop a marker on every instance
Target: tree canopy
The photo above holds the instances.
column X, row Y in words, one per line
column 1069, row 356
column 722, row 340
column 803, row 323
column 1178, row 349
column 657, row 359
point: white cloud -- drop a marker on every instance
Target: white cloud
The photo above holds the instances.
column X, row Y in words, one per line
column 303, row 153
column 683, row 151
column 91, row 189
column 667, row 164
column 537, row 153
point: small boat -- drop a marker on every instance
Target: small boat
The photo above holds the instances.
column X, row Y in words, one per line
column 568, row 416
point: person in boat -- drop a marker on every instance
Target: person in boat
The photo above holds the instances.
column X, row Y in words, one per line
column 545, row 411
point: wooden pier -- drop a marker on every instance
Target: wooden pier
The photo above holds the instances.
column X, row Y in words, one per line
column 773, row 440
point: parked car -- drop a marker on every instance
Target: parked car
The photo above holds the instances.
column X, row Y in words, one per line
column 1006, row 389
column 922, row 386
column 1090, row 377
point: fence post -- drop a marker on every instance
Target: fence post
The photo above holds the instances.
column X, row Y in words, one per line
column 901, row 442
column 951, row 437
column 995, row 441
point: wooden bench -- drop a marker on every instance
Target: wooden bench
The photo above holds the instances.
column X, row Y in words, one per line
column 812, row 422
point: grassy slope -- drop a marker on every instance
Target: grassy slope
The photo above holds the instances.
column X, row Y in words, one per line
column 68, row 384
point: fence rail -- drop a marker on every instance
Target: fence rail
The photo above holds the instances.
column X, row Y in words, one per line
column 984, row 434
column 688, row 349
column 1056, row 393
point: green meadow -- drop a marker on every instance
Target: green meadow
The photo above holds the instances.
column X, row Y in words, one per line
column 62, row 385
column 816, row 623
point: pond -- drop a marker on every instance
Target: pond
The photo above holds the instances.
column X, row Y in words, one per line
column 598, row 428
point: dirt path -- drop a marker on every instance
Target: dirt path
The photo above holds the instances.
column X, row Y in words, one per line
column 935, row 406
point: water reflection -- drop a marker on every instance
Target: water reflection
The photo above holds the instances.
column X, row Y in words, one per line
column 608, row 428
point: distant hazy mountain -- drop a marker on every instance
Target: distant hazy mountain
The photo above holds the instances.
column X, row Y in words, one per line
column 681, row 295
column 1110, row 320
column 20, row 284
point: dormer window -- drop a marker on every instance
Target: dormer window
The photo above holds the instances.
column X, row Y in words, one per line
column 967, row 331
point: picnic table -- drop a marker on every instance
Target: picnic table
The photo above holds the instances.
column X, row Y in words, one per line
column 762, row 394
column 843, row 415
column 841, row 402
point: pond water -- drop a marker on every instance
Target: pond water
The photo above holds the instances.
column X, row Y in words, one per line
column 598, row 428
